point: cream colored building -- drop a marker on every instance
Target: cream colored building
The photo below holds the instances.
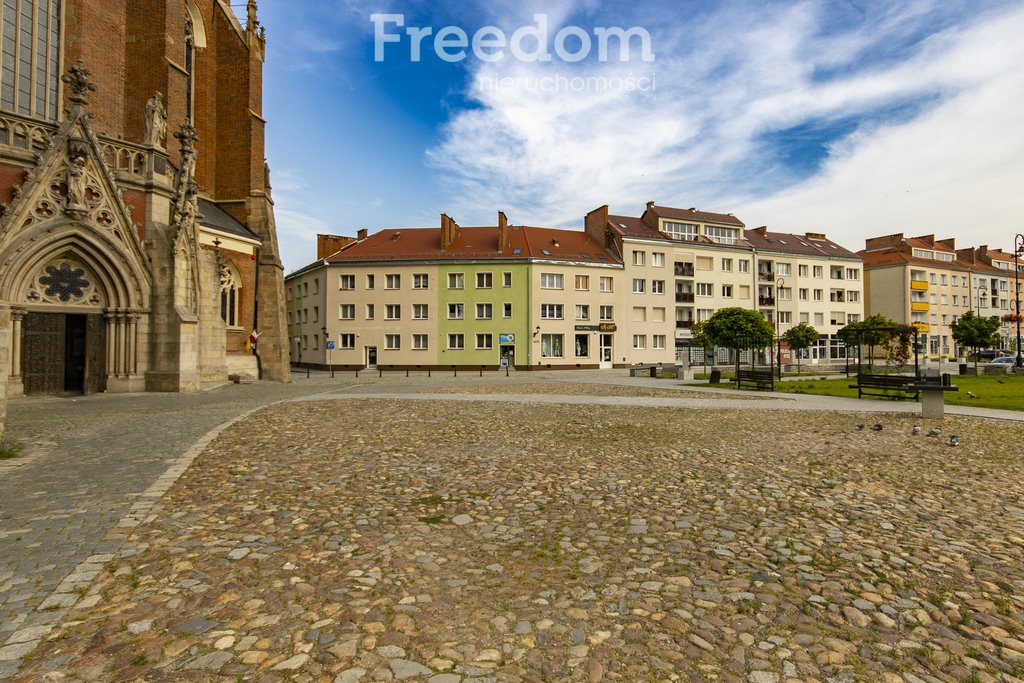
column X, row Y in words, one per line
column 929, row 284
column 718, row 263
column 454, row 297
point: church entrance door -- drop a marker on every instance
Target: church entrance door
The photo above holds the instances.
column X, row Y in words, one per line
column 63, row 353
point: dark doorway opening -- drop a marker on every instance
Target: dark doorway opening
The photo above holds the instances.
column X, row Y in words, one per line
column 74, row 353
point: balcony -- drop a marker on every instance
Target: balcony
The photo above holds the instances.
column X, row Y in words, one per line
column 837, row 298
column 921, row 327
column 684, row 269
column 919, row 305
column 765, row 276
column 684, row 324
column 766, row 301
column 684, row 297
column 919, row 285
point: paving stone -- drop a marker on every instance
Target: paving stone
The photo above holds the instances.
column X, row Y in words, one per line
column 611, row 536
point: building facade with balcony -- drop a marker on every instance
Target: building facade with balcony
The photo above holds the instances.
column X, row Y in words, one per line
column 717, row 263
column 929, row 284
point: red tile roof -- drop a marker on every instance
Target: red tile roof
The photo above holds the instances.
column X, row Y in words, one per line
column 811, row 244
column 522, row 242
column 627, row 226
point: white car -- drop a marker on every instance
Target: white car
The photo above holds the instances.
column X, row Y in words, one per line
column 1003, row 360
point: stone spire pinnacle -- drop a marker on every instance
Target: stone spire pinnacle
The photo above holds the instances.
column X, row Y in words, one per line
column 78, row 82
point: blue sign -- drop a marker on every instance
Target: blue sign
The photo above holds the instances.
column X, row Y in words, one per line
column 330, row 344
column 506, row 339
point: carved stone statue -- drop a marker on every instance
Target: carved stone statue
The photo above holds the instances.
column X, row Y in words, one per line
column 76, row 184
column 156, row 121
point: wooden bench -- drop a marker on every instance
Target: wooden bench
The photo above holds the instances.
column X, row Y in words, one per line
column 887, row 386
column 759, row 379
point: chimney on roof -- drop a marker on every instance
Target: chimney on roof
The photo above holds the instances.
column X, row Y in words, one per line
column 449, row 231
column 362, row 233
column 326, row 245
column 884, row 242
column 502, row 231
column 595, row 224
column 815, row 236
column 650, row 205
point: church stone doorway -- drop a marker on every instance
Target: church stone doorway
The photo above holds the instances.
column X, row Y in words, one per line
column 63, row 353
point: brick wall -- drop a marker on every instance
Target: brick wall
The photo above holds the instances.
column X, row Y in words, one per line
column 105, row 58
column 10, row 176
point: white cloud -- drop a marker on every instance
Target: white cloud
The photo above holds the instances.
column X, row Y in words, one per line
column 721, row 85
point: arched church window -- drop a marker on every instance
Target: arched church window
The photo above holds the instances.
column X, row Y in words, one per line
column 30, row 51
column 230, row 289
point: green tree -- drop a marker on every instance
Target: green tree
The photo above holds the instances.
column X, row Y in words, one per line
column 875, row 330
column 738, row 328
column 976, row 332
column 700, row 338
column 800, row 337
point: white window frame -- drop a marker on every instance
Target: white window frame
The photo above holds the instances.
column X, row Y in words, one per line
column 552, row 311
column 551, row 281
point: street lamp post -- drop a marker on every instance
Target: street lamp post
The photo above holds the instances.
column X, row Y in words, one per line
column 778, row 337
column 1018, row 251
column 328, row 345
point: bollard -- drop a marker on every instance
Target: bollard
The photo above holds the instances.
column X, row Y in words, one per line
column 506, row 371
column 307, row 372
column 481, row 371
column 455, row 371
column 381, row 371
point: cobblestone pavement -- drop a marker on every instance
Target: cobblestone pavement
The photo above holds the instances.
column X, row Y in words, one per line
column 471, row 538
column 86, row 462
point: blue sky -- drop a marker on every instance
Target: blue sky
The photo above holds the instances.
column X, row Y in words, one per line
column 845, row 117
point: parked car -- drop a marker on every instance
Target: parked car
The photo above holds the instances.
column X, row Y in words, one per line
column 992, row 354
column 1003, row 361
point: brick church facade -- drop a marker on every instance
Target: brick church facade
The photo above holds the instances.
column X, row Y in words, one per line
column 138, row 248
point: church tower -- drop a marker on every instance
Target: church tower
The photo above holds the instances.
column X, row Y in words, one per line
column 138, row 249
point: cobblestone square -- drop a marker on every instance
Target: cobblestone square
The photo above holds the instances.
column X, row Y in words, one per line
column 459, row 541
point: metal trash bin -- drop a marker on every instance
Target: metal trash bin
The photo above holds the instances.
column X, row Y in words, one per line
column 716, row 376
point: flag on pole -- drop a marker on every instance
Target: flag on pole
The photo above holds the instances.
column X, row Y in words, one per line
column 250, row 343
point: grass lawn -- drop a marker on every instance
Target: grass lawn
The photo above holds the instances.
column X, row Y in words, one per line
column 993, row 391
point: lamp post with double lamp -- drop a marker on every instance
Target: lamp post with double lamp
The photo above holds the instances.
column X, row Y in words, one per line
column 1018, row 251
column 778, row 337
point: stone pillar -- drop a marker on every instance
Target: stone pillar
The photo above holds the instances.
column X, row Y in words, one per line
column 212, row 329
column 5, row 344
column 14, row 344
column 274, row 344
